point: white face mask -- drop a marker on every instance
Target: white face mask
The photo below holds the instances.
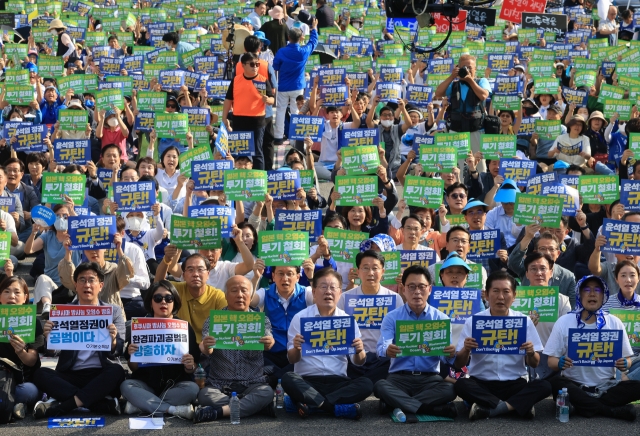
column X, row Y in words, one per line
column 19, row 120
column 135, row 223
column 168, row 45
column 112, row 122
column 53, row 33
column 61, row 224
column 386, row 123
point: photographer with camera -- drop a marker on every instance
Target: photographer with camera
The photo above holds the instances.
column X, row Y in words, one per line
column 466, row 112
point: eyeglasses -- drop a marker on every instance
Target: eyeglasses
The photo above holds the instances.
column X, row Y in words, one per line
column 542, row 270
column 332, row 288
column 192, row 270
column 374, row 270
column 90, row 280
column 253, row 64
column 546, row 249
column 413, row 229
column 589, row 290
column 160, row 298
column 172, row 106
column 413, row 288
column 12, row 170
column 291, row 162
column 456, row 196
column 283, row 274
column 459, row 241
column 476, row 212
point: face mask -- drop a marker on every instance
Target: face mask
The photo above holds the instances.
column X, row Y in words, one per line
column 112, row 122
column 88, row 103
column 16, row 120
column 53, row 33
column 135, row 223
column 61, row 224
column 386, row 123
column 529, row 110
column 168, row 46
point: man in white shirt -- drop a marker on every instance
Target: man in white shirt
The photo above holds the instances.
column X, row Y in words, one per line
column 321, row 381
column 329, row 144
column 498, row 382
column 370, row 265
column 260, row 8
column 593, row 390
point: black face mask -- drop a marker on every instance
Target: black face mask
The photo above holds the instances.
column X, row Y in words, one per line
column 530, row 110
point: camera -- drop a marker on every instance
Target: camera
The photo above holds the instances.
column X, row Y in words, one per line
column 463, row 72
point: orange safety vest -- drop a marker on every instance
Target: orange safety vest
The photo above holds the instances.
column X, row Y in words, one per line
column 247, row 100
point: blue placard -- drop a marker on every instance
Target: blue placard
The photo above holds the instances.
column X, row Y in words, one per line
column 369, row 310
column 570, row 196
column 30, row 138
column 419, row 95
column 499, row 334
column 43, row 216
column 10, row 128
column 71, row 151
column 282, row 185
column 484, row 244
column 389, row 91
column 327, row 336
column 391, row 74
column 358, row 137
column 334, row 95
column 358, row 80
column 302, row 126
column 241, row 144
column 198, row 116
column 217, row 89
column 134, row 196
column 457, row 303
column 111, row 66
column 630, row 194
column 423, row 258
column 607, row 69
column 507, row 85
column 309, row 221
column 440, row 66
column 595, row 347
column 91, row 232
column 500, row 62
column 196, row 81
column 76, row 422
column 411, row 23
column 332, row 76
column 518, row 170
column 209, row 174
column 171, row 79
column 8, row 204
column 205, row 64
column 77, row 33
column 623, row 237
column 527, row 126
column 226, row 215
column 577, row 96
column 133, row 63
column 534, row 183
column 569, row 180
column 145, row 121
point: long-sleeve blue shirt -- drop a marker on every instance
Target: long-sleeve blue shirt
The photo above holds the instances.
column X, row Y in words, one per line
column 388, row 336
column 290, row 61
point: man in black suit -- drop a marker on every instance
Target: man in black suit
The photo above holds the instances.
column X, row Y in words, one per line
column 84, row 378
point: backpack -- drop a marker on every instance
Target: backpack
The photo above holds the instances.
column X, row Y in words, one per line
column 7, row 392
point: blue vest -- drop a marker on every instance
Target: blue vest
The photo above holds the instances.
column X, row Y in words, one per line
column 279, row 316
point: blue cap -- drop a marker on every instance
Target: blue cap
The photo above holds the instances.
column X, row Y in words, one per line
column 560, row 165
column 454, row 259
column 507, row 192
column 33, row 68
column 474, row 203
column 261, row 36
column 384, row 242
column 108, row 113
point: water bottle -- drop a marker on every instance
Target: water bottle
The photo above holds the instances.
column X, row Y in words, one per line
column 564, row 409
column 200, row 376
column 559, row 404
column 399, row 415
column 279, row 396
column 234, row 405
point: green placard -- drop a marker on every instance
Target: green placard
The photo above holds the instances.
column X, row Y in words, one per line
column 90, row 82
column 581, row 64
column 460, row 141
column 356, row 190
column 167, row 57
column 634, row 144
column 622, row 107
column 19, row 95
column 506, row 102
column 50, row 66
column 541, row 301
column 585, row 78
column 423, row 191
column 344, row 244
column 627, row 69
column 55, row 185
column 528, row 34
column 71, row 119
column 189, row 57
column 5, row 247
column 494, row 33
column 283, row 248
column 151, row 101
column 17, row 77
column 535, row 209
column 546, row 85
column 598, row 43
column 392, row 267
column 198, row 233
column 362, row 159
column 19, row 320
column 631, row 321
column 245, row 185
column 171, row 125
column 595, row 189
column 549, row 129
column 17, row 50
column 423, row 338
column 610, row 91
column 108, row 98
column 307, row 179
column 434, row 158
column 194, row 154
column 127, row 83
column 237, row 330
column 630, row 55
column 495, row 147
column 540, row 54
column 74, row 82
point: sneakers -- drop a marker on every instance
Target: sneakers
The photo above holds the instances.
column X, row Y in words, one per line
column 130, row 409
column 269, row 410
column 205, row 414
column 46, row 409
column 46, row 308
column 19, row 410
column 628, row 412
column 531, row 413
column 382, row 408
column 303, row 410
column 185, row 411
column 108, row 405
column 288, row 405
column 348, row 411
column 447, row 410
column 478, row 412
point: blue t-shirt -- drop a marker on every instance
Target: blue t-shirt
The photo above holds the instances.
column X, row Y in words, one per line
column 464, row 89
column 54, row 252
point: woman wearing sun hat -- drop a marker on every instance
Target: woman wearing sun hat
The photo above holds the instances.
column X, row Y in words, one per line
column 573, row 147
column 66, row 48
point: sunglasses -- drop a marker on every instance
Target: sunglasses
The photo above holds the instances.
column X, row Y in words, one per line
column 253, row 64
column 159, row 298
column 172, row 106
column 456, row 196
